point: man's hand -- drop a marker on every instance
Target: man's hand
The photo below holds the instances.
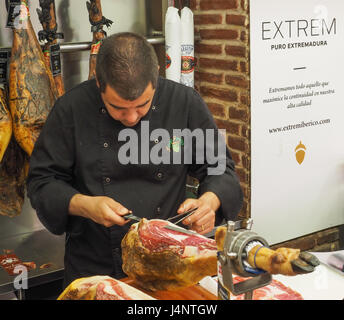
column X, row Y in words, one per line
column 102, row 210
column 203, row 219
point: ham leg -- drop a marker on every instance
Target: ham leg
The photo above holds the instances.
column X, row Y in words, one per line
column 32, row 87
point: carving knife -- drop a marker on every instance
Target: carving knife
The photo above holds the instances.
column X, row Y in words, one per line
column 181, row 216
column 239, row 224
column 131, row 216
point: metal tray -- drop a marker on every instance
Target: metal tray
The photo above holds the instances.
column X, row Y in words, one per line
column 40, row 247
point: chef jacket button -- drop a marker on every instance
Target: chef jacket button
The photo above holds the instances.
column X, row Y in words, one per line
column 160, row 175
column 158, row 210
column 153, row 107
column 103, row 111
column 106, row 145
column 107, row 180
column 156, row 140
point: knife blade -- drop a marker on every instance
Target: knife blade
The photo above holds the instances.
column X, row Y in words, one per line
column 180, row 229
column 131, row 216
column 182, row 216
column 239, row 224
column 173, row 227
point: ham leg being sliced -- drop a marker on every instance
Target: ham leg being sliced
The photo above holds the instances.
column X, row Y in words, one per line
column 162, row 259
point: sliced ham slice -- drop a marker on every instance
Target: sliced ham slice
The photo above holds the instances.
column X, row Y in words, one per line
column 161, row 259
column 274, row 291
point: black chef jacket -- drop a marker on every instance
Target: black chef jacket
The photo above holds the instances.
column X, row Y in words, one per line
column 76, row 152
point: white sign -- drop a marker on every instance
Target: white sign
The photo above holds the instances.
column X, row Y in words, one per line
column 297, row 116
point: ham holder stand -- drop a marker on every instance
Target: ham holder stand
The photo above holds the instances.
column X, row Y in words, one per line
column 232, row 260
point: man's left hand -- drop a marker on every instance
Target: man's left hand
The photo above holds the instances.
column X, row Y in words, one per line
column 203, row 219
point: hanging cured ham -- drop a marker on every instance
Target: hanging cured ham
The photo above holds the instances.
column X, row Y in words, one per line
column 51, row 49
column 12, row 180
column 97, row 21
column 13, row 159
column 5, row 123
column 32, row 87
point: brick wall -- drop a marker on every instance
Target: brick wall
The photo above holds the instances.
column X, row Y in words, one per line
column 222, row 77
column 325, row 240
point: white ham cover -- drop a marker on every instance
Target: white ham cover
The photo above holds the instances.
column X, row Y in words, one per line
column 187, row 47
column 173, row 44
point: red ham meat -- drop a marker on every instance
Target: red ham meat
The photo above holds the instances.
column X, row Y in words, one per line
column 157, row 258
column 101, row 288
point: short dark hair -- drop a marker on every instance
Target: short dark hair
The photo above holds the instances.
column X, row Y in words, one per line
column 127, row 62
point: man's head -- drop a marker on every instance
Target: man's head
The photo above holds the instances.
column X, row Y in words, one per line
column 127, row 73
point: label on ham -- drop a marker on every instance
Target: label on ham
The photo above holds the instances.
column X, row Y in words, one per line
column 55, row 59
column 18, row 12
column 4, row 57
column 13, row 12
column 95, row 47
column 188, row 64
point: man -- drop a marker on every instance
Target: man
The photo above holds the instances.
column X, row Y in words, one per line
column 80, row 181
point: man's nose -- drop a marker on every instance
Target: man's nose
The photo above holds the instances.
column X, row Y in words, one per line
column 132, row 116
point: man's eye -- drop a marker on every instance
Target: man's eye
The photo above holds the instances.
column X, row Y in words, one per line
column 116, row 108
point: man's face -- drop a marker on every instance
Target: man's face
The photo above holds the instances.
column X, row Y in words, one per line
column 128, row 112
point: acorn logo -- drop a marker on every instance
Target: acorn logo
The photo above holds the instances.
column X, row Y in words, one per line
column 300, row 152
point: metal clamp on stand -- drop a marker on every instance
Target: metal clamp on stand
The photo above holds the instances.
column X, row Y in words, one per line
column 232, row 261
